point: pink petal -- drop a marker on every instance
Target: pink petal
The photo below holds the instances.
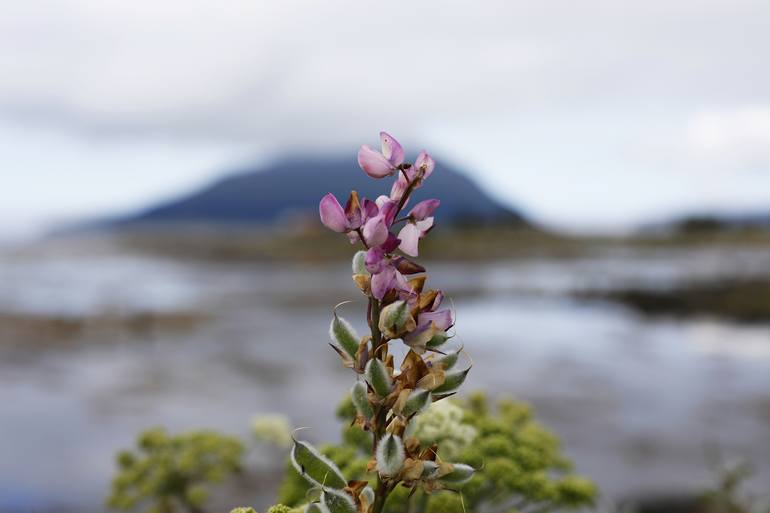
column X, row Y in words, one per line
column 443, row 319
column 399, row 187
column 409, row 236
column 391, row 244
column 424, row 226
column 383, row 282
column 332, row 215
column 375, row 260
column 424, row 162
column 391, row 149
column 424, row 208
column 374, row 163
column 375, row 231
column 388, row 211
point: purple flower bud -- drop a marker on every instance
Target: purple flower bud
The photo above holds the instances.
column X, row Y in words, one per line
column 391, row 149
column 425, row 163
column 374, row 163
column 424, row 209
column 332, row 215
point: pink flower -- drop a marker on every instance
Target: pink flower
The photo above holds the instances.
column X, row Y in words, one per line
column 332, row 215
column 418, row 172
column 411, row 233
column 424, row 209
column 383, row 163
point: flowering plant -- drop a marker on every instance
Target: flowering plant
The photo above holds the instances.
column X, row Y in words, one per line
column 400, row 308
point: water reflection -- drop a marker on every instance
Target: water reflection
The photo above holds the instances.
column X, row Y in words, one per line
column 635, row 399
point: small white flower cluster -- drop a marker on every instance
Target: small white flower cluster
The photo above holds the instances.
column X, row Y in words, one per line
column 442, row 424
column 273, row 429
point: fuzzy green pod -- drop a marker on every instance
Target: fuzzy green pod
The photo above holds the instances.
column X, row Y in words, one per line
column 338, row 502
column 368, row 494
column 429, row 469
column 359, row 263
column 377, row 376
column 344, row 335
column 395, row 318
column 390, row 455
column 438, row 339
column 460, row 474
column 417, row 401
column 448, row 360
column 452, row 382
column 361, row 400
column 316, row 468
column 315, row 507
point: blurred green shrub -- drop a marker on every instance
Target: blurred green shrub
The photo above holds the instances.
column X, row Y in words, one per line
column 521, row 464
column 166, row 473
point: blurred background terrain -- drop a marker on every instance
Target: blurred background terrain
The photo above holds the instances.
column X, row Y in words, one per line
column 604, row 232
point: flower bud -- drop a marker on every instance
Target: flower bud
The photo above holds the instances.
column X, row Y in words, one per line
column 460, row 474
column 315, row 467
column 361, row 400
column 418, row 400
column 452, row 382
column 344, row 335
column 395, row 319
column 377, row 376
column 390, row 455
column 359, row 263
column 338, row 502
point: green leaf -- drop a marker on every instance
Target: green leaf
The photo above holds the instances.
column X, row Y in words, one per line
column 338, row 502
column 361, row 400
column 344, row 335
column 316, row 468
column 452, row 382
column 377, row 376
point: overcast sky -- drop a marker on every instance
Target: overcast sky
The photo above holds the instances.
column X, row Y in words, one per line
column 588, row 115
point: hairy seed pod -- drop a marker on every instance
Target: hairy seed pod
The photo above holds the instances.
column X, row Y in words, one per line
column 390, row 455
column 460, row 474
column 438, row 339
column 344, row 335
column 448, row 360
column 337, row 501
column 395, row 318
column 429, row 469
column 418, row 400
column 316, row 507
column 452, row 382
column 359, row 263
column 367, row 494
column 377, row 376
column 315, row 467
column 361, row 400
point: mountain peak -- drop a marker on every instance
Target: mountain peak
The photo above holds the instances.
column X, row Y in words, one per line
column 293, row 186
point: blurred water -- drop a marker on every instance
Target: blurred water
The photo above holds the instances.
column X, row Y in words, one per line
column 635, row 400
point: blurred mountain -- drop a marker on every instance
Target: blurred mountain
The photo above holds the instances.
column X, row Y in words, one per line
column 291, row 188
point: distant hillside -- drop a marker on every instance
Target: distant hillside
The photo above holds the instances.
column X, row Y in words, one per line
column 291, row 188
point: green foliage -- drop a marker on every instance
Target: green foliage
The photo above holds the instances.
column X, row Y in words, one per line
column 519, row 463
column 165, row 472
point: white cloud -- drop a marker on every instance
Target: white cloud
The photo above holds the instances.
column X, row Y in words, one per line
column 739, row 137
